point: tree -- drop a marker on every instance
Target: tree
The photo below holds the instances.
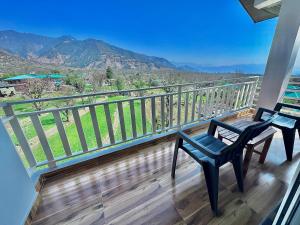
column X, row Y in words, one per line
column 120, row 84
column 66, row 91
column 96, row 79
column 77, row 82
column 35, row 88
column 109, row 73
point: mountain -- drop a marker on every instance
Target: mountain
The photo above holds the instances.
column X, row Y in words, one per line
column 68, row 51
column 241, row 68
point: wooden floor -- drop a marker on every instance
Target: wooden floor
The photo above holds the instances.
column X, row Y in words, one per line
column 138, row 189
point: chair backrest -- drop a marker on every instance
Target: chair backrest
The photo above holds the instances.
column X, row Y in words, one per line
column 253, row 131
column 248, row 134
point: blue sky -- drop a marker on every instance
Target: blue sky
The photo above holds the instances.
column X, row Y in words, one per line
column 214, row 32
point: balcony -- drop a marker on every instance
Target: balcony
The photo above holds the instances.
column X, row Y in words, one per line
column 110, row 162
column 137, row 188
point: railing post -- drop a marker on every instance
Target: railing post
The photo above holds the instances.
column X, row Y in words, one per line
column 162, row 112
column 171, row 111
column 179, row 107
column 20, row 136
column 153, row 114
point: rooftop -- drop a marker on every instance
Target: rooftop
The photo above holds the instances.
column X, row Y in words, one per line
column 35, row 76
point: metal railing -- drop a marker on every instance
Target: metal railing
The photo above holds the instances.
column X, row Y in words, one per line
column 99, row 125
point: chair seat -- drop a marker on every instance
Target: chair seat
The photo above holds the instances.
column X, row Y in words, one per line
column 208, row 141
column 280, row 121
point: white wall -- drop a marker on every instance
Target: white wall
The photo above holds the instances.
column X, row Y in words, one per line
column 17, row 192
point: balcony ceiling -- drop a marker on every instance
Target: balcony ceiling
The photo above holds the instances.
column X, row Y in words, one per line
column 259, row 15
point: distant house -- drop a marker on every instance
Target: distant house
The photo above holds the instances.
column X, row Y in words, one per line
column 23, row 77
column 19, row 79
column 7, row 90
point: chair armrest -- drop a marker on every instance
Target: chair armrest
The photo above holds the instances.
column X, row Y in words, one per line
column 289, row 116
column 216, row 123
column 279, row 105
column 198, row 146
column 260, row 112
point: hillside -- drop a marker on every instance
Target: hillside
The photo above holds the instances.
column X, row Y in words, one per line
column 67, row 51
column 10, row 63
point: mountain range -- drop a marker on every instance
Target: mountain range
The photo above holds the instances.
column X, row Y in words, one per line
column 66, row 51
column 29, row 53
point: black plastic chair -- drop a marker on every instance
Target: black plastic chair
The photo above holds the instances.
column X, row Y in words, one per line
column 288, row 125
column 212, row 153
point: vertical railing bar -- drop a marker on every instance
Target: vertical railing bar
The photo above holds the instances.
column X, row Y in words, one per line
column 237, row 98
column 171, row 111
column 251, row 86
column 43, row 139
column 15, row 125
column 217, row 103
column 62, row 132
column 224, row 105
column 193, row 105
column 133, row 120
column 228, row 98
column 122, row 122
column 143, row 110
column 109, row 123
column 253, row 93
column 228, row 95
column 211, row 104
column 232, row 97
column 179, row 107
column 242, row 96
column 79, row 129
column 248, row 93
column 96, row 126
column 222, row 100
column 200, row 102
column 206, row 105
column 162, row 112
column 153, row 114
column 186, row 107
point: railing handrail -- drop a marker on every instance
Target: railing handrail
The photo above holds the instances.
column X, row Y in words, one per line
column 3, row 104
column 124, row 100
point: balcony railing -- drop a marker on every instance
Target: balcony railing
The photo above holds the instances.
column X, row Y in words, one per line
column 129, row 115
column 292, row 93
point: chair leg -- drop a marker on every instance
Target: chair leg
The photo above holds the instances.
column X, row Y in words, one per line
column 212, row 182
column 289, row 139
column 238, row 170
column 178, row 141
column 247, row 159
